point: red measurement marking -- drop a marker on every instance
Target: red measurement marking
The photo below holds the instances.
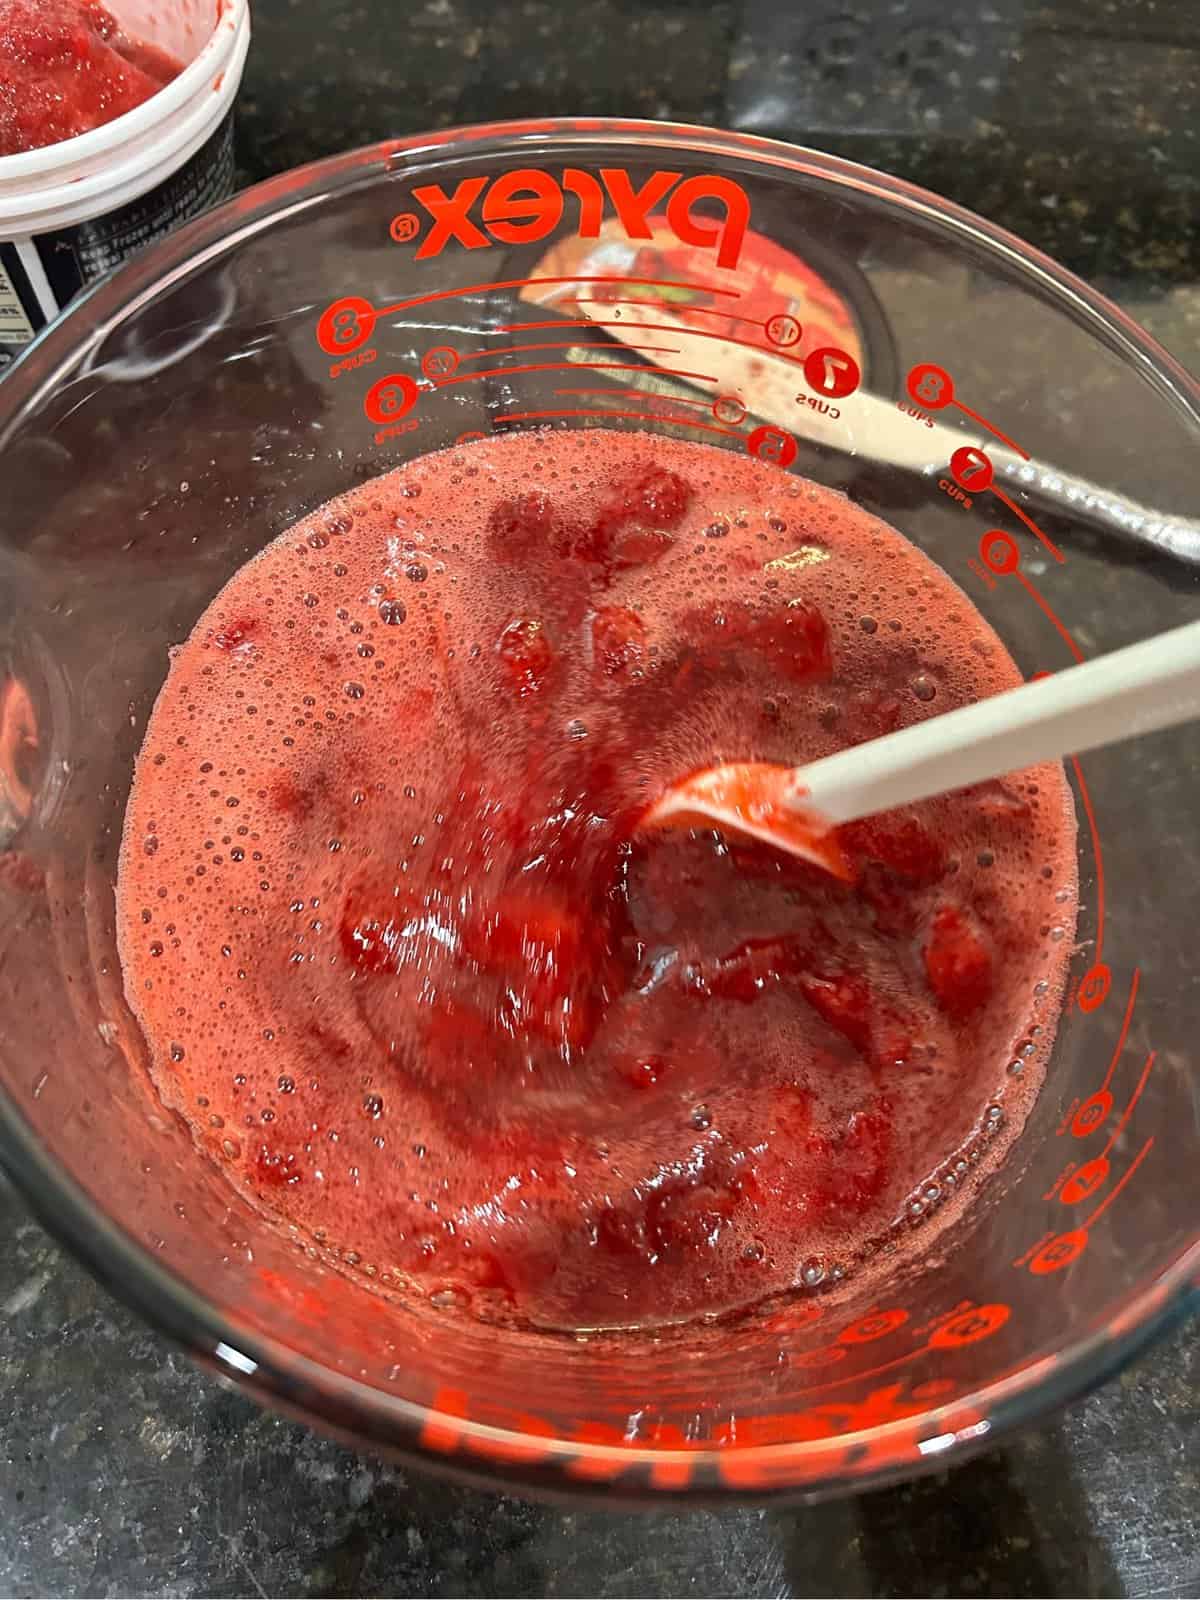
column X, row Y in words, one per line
column 1091, row 1114
column 968, row 1327
column 522, row 283
column 1124, row 1033
column 1034, row 595
column 390, row 399
column 990, row 426
column 1116, row 1189
column 1094, row 986
column 832, row 372
column 563, row 344
column 1058, row 1252
column 972, row 469
column 1095, row 832
column 998, row 552
column 1133, row 1100
column 1047, row 543
column 930, row 386
column 639, row 394
column 871, row 1372
column 875, row 1325
column 439, row 362
column 772, row 444
column 345, row 325
column 783, row 329
column 661, row 327
column 635, row 416
column 981, row 572
column 1083, row 1183
column 570, row 366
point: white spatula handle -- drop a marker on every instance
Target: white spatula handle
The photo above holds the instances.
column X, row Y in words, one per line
column 1118, row 696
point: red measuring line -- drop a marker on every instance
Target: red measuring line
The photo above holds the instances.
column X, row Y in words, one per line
column 1095, row 832
column 1048, row 611
column 1124, row 1034
column 569, row 366
column 637, row 416
column 1116, row 1189
column 706, row 333
column 871, row 1372
column 568, row 344
column 1133, row 1100
column 521, row 283
column 691, row 333
column 991, row 428
column 640, row 394
column 1045, row 540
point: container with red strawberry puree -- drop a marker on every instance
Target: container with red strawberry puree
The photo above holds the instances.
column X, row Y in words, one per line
column 116, row 124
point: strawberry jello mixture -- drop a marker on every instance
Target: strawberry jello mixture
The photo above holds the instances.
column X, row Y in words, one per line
column 66, row 67
column 425, row 989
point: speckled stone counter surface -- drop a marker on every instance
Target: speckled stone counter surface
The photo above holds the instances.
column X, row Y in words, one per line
column 123, row 1470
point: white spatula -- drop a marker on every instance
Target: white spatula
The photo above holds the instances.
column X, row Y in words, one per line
column 1146, row 686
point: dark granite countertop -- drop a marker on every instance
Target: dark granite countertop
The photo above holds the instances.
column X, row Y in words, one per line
column 125, row 1471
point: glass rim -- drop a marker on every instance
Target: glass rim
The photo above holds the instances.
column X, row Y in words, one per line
column 499, row 1457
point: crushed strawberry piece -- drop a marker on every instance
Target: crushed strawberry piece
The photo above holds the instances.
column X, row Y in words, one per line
column 640, row 1069
column 618, row 640
column 747, row 972
column 844, row 1001
column 791, row 637
column 654, row 496
column 899, row 842
column 639, row 547
column 373, row 926
column 875, row 712
column 958, row 963
column 237, row 635
column 522, row 527
column 851, row 1167
column 526, row 653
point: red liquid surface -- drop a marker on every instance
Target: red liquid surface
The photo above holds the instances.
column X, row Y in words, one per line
column 419, row 983
column 66, row 67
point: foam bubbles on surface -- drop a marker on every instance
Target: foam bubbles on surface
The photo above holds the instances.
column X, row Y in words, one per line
column 410, row 993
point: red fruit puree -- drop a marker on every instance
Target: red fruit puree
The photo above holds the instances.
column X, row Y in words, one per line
column 414, row 976
column 67, row 67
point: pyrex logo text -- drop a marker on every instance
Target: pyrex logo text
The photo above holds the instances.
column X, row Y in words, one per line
column 523, row 206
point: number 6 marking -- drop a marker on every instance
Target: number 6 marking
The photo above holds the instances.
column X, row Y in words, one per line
column 832, row 372
column 391, row 398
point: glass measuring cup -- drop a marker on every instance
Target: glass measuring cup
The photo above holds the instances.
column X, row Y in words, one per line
column 339, row 320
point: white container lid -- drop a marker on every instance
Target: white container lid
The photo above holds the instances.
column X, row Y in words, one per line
column 93, row 173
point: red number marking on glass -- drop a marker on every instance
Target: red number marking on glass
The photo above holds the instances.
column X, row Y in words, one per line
column 832, row 372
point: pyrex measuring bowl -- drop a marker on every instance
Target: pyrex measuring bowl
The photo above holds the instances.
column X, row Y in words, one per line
column 339, row 320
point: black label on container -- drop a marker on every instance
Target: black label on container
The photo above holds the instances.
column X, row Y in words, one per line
column 21, row 314
column 72, row 257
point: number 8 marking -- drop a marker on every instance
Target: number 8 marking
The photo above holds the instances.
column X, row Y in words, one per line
column 345, row 325
column 931, row 386
column 832, row 372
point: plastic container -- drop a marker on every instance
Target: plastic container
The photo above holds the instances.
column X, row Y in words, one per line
column 71, row 211
column 333, row 323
